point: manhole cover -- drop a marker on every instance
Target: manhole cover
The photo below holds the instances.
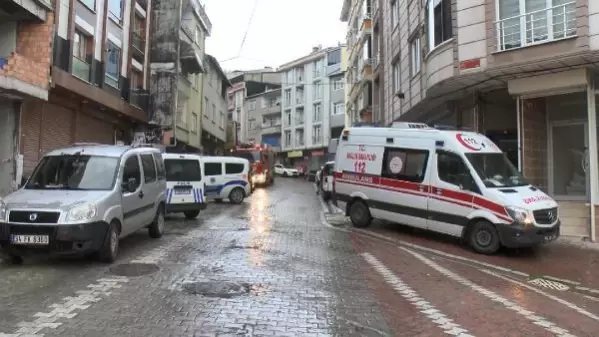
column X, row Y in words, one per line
column 134, row 269
column 546, row 283
column 217, row 289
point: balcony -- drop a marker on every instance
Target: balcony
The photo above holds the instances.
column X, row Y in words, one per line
column 537, row 27
column 81, row 69
column 271, row 127
column 140, row 98
column 16, row 10
column 139, row 44
column 272, row 108
column 191, row 61
column 299, row 100
column 184, row 86
column 366, row 71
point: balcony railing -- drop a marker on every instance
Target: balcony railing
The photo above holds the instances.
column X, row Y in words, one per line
column 299, row 120
column 81, row 69
column 139, row 43
column 536, row 27
column 299, row 101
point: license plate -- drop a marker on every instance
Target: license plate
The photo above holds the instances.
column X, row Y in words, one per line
column 550, row 237
column 30, row 239
column 183, row 191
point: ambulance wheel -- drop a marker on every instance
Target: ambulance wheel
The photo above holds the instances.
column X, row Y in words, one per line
column 359, row 214
column 190, row 215
column 484, row 238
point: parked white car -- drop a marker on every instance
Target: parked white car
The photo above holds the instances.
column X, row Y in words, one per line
column 286, row 171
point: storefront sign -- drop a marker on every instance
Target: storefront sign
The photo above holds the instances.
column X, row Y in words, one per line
column 295, row 154
column 317, row 153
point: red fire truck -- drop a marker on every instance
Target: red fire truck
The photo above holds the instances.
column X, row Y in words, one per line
column 262, row 161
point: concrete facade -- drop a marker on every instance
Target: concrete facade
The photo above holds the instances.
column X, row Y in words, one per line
column 214, row 108
column 264, row 113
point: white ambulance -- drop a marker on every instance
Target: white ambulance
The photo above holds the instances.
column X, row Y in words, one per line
column 185, row 186
column 452, row 182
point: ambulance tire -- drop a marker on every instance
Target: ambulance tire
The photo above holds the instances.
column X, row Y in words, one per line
column 484, row 238
column 359, row 214
column 191, row 215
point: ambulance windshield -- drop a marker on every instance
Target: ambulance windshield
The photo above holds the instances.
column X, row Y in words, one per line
column 495, row 170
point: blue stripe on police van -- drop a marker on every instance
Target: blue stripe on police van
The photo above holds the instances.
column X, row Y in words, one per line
column 196, row 198
column 169, row 195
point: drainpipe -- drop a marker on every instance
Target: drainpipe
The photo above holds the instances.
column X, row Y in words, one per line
column 593, row 164
column 519, row 130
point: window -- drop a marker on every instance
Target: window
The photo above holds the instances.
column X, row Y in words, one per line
column 206, row 105
column 288, row 139
column 213, row 113
column 317, row 90
column 252, row 105
column 183, row 170
column 132, row 170
column 233, row 168
column 404, row 164
column 415, row 55
column 338, row 84
column 299, row 137
column 394, row 13
column 317, row 113
column 197, row 35
column 113, row 65
column 317, row 134
column 80, row 41
column 115, row 10
column 147, row 161
column 439, row 22
column 316, row 69
column 136, row 80
column 252, row 125
column 452, row 169
column 222, row 120
column 160, row 168
column 544, row 20
column 339, row 108
column 91, row 4
column 288, row 118
column 334, row 57
column 213, row 169
column 396, row 77
column 194, row 122
column 287, row 97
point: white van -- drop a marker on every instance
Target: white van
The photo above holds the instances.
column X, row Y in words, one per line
column 185, row 186
column 452, row 182
column 227, row 178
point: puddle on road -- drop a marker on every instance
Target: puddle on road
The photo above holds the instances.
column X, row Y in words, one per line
column 134, row 269
column 217, row 289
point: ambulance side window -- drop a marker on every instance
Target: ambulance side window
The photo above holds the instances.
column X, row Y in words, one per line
column 452, row 169
column 404, row 164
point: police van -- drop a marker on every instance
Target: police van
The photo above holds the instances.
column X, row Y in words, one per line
column 448, row 181
column 185, row 186
column 227, row 178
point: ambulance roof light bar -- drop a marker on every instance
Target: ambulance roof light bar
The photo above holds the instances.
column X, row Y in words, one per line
column 410, row 125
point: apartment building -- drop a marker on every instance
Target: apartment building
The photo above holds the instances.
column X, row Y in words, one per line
column 306, row 104
column 337, row 95
column 177, row 61
column 94, row 55
column 247, row 84
column 264, row 118
column 214, row 109
column 523, row 72
column 364, row 75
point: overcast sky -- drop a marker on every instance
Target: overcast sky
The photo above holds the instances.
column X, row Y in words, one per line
column 280, row 31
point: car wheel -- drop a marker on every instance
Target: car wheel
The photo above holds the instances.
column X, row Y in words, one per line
column 156, row 229
column 236, row 196
column 484, row 238
column 285, row 174
column 16, row 259
column 359, row 214
column 190, row 215
column 110, row 248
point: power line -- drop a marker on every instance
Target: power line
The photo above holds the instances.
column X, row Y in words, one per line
column 245, row 34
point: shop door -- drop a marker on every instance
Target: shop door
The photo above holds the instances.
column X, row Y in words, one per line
column 568, row 160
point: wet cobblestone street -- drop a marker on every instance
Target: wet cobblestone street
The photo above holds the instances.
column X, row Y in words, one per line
column 277, row 265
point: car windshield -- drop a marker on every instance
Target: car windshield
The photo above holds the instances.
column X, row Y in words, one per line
column 495, row 170
column 182, row 170
column 74, row 172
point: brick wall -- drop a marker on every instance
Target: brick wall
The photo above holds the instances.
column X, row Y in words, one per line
column 534, row 142
column 30, row 62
